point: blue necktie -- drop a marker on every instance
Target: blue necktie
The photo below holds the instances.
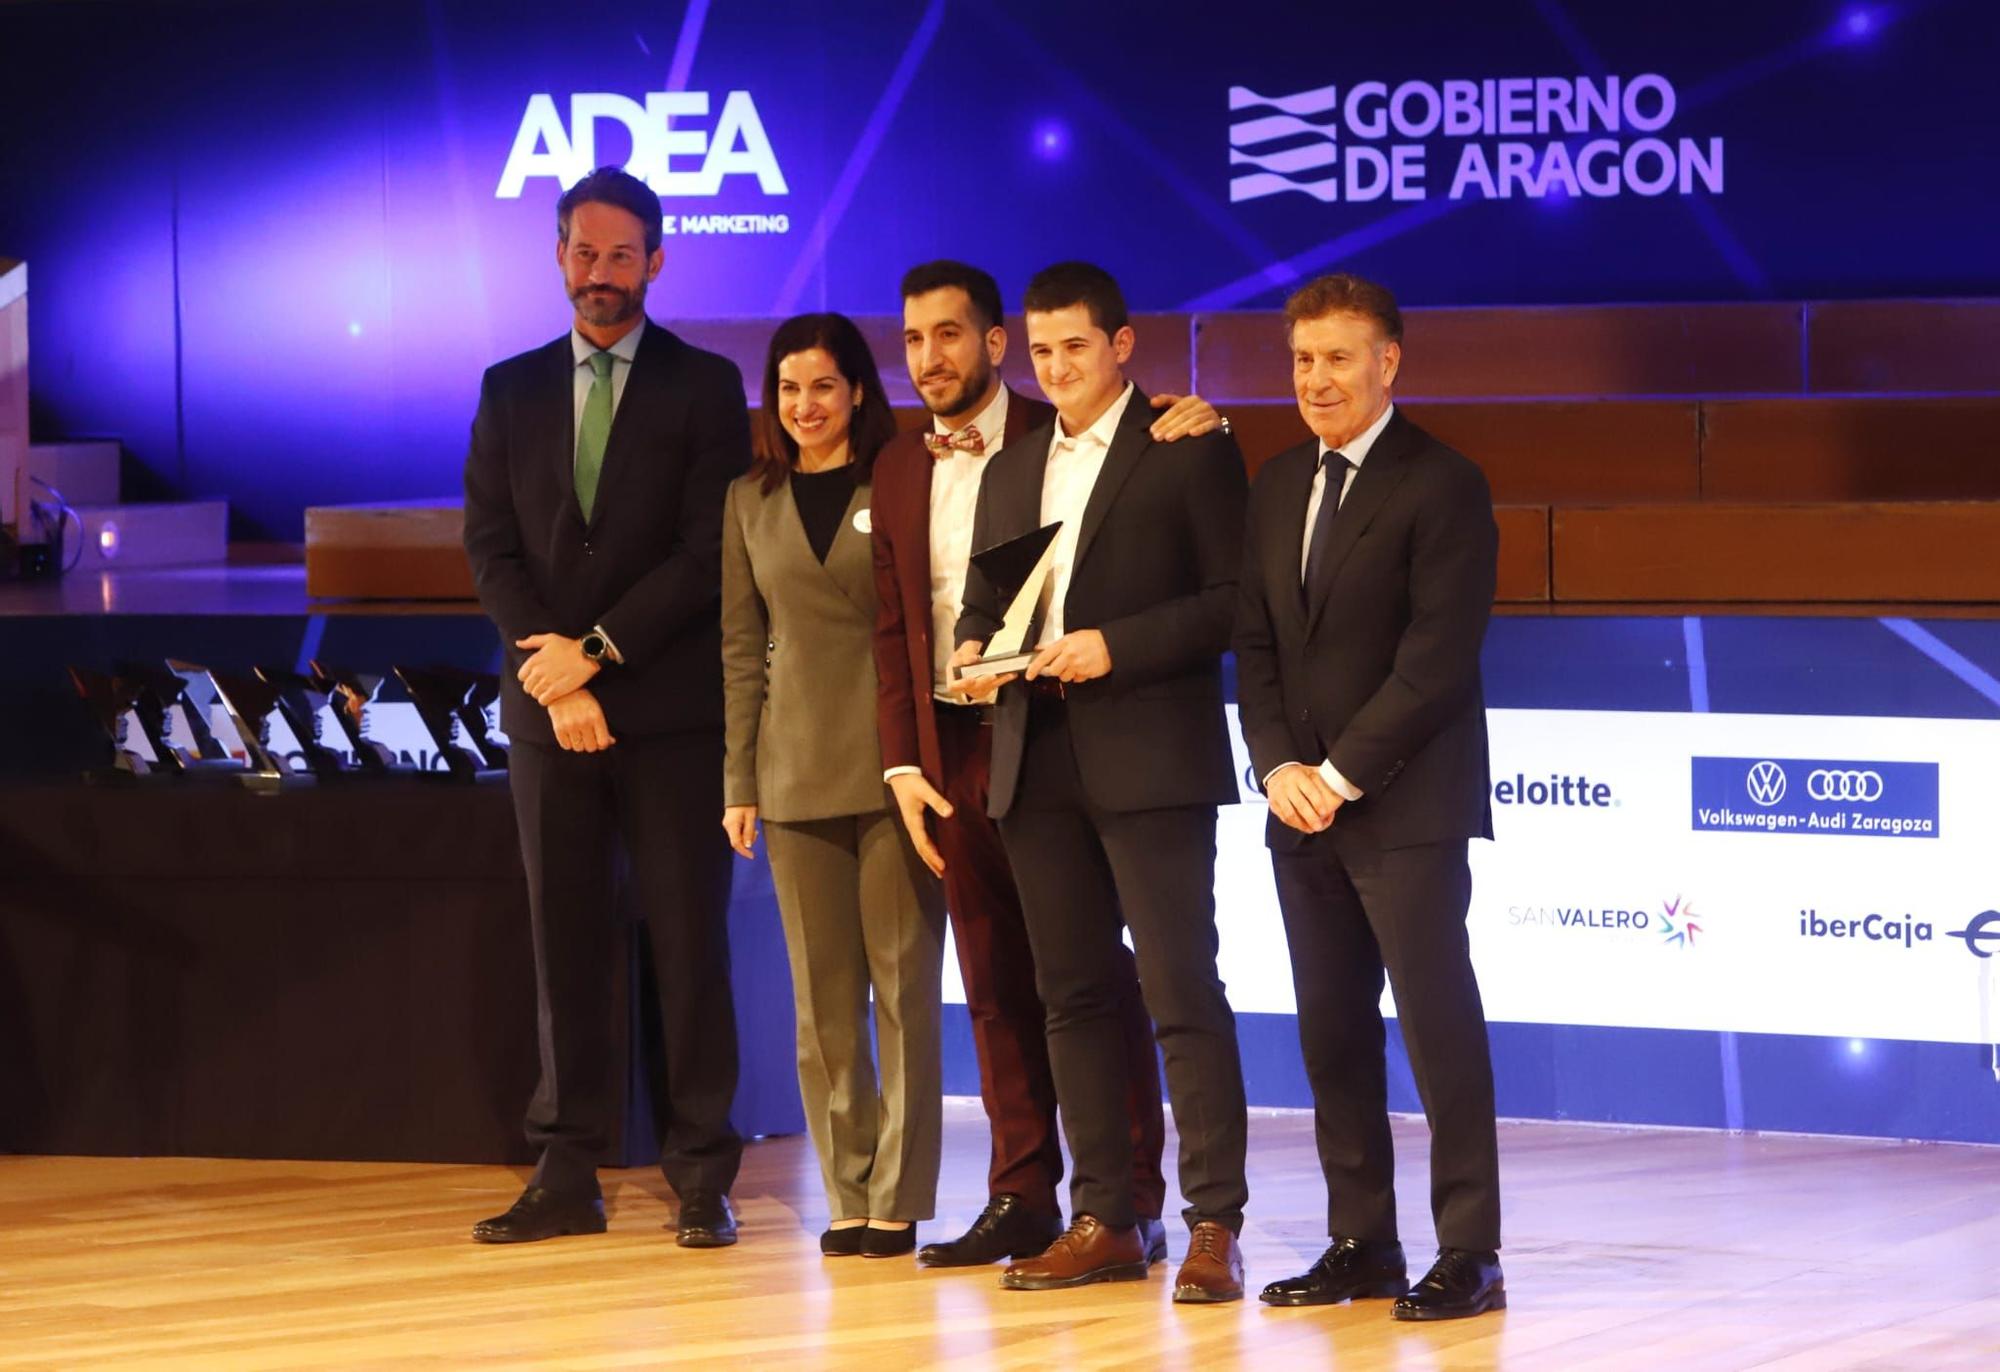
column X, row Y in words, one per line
column 1329, row 506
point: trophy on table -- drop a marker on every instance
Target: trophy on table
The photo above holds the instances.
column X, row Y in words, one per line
column 350, row 694
column 166, row 712
column 302, row 706
column 444, row 700
column 248, row 702
column 113, row 702
column 1019, row 570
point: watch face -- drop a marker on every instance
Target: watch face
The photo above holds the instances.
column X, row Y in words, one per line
column 593, row 646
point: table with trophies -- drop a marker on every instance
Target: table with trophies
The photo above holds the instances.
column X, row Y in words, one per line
column 301, row 940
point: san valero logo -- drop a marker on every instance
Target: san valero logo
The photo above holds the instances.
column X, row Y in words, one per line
column 1680, row 923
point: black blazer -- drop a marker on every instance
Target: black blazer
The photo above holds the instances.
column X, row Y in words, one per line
column 1381, row 673
column 1155, row 572
column 647, row 565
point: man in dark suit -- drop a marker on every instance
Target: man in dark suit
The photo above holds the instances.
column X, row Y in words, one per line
column 593, row 519
column 1367, row 581
column 1107, row 764
column 937, row 747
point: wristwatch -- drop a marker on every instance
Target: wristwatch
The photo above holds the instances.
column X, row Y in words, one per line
column 596, row 646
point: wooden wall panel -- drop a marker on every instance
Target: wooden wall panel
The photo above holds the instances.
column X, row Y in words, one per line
column 1925, row 346
column 1780, row 553
column 1828, row 448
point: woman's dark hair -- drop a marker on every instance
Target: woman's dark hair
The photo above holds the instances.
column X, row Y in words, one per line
column 873, row 423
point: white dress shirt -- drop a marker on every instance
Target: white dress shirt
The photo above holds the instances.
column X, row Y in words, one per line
column 1355, row 452
column 1067, row 482
column 582, row 377
column 954, row 500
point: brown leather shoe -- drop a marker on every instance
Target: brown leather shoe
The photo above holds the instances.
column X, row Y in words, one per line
column 1213, row 1270
column 1087, row 1252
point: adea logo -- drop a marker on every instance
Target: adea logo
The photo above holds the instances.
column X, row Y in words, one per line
column 673, row 159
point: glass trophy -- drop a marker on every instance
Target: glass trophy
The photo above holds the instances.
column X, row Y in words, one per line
column 113, row 703
column 350, row 694
column 442, row 696
column 302, row 706
column 175, row 723
column 1019, row 571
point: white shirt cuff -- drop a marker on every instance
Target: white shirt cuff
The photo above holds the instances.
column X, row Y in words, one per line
column 902, row 772
column 1342, row 787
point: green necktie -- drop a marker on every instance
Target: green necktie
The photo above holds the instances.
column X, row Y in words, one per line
column 593, row 432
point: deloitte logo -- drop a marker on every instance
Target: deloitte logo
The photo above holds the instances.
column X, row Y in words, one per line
column 1558, row 791
column 1907, row 931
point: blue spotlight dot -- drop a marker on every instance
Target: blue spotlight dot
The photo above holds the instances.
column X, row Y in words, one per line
column 354, row 328
column 1859, row 22
column 1050, row 140
column 1856, row 1047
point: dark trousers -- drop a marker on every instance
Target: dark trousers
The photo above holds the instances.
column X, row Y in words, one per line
column 1009, row 1025
column 1353, row 911
column 1080, row 868
column 655, row 799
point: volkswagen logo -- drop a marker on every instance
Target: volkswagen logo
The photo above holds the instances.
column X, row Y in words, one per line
column 1767, row 784
column 1827, row 784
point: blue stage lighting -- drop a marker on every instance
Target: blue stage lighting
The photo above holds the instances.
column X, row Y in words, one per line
column 1050, row 140
column 1856, row 1047
column 1859, row 22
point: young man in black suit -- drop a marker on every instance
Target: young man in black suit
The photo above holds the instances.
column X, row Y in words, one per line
column 593, row 521
column 1108, row 761
column 1367, row 582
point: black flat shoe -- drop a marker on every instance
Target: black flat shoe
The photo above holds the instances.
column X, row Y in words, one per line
column 841, row 1243
column 1006, row 1228
column 542, row 1214
column 1351, row 1269
column 888, row 1243
column 706, row 1221
column 1461, row 1283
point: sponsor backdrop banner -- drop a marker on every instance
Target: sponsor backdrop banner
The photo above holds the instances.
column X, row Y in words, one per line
column 272, row 247
column 1849, row 894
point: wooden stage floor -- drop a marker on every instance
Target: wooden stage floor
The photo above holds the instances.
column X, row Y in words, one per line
column 1627, row 1249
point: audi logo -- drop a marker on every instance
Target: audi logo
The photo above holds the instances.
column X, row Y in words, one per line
column 1766, row 783
column 1826, row 784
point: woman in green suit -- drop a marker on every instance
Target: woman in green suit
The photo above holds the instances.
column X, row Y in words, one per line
column 860, row 911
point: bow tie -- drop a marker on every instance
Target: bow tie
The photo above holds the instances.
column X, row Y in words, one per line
column 966, row 440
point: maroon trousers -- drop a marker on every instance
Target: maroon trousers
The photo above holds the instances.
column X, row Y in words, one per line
column 1009, row 1025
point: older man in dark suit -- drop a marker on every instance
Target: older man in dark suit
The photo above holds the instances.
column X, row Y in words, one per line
column 1367, row 582
column 593, row 521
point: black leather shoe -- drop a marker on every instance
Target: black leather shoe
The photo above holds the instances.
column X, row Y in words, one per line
column 542, row 1214
column 1351, row 1269
column 1460, row 1283
column 706, row 1221
column 841, row 1243
column 888, row 1243
column 1153, row 1233
column 1006, row 1228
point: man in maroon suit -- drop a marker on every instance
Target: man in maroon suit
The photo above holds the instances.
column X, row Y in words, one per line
column 936, row 748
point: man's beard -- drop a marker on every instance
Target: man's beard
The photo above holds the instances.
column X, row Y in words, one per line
column 965, row 397
column 603, row 305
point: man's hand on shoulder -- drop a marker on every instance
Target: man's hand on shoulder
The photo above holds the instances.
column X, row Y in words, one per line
column 579, row 723
column 1186, row 416
column 556, row 668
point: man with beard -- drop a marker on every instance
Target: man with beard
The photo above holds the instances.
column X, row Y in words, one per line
column 936, row 748
column 593, row 518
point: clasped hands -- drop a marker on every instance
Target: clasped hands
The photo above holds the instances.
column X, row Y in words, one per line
column 1300, row 797
column 555, row 675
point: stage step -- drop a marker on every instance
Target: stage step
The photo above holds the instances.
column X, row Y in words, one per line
column 165, row 534
column 85, row 471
